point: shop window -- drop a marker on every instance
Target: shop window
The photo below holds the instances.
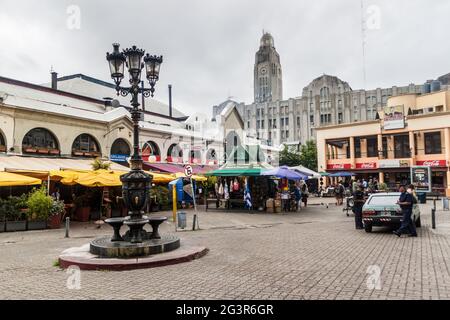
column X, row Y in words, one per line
column 433, row 143
column 401, row 147
column 385, row 147
column 85, row 145
column 357, row 148
column 372, row 147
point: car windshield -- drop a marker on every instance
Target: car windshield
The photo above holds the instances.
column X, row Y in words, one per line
column 383, row 200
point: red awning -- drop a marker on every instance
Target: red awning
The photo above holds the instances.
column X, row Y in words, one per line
column 174, row 168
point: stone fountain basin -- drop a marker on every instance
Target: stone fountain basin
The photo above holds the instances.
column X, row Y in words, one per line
column 85, row 260
column 104, row 247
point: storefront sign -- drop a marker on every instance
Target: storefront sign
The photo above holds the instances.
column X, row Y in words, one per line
column 421, row 178
column 432, row 163
column 394, row 117
column 119, row 157
column 366, row 165
column 339, row 166
column 393, row 163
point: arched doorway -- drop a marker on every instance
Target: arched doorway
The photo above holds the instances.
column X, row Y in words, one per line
column 195, row 156
column 2, row 142
column 85, row 145
column 40, row 141
column 120, row 150
column 175, row 154
column 150, row 152
column 211, row 157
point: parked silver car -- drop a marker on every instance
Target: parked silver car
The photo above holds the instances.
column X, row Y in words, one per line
column 381, row 209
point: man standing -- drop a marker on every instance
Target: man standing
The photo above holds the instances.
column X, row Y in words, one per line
column 406, row 202
column 358, row 202
column 339, row 193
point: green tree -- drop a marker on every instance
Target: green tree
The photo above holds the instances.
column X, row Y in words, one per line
column 308, row 155
column 289, row 156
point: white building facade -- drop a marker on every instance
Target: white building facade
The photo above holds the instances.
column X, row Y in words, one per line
column 327, row 100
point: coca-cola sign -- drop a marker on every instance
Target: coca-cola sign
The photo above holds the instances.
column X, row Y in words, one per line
column 366, row 165
column 432, row 163
column 339, row 166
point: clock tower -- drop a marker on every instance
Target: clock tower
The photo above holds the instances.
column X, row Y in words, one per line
column 268, row 84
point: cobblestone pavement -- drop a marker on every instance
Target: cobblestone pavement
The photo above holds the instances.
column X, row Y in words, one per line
column 312, row 254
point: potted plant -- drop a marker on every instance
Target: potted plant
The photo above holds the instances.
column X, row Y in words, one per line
column 56, row 213
column 83, row 209
column 159, row 195
column 15, row 216
column 39, row 205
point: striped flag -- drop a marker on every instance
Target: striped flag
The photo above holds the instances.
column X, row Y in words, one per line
column 247, row 196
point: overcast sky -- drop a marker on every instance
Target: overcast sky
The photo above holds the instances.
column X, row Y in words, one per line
column 209, row 45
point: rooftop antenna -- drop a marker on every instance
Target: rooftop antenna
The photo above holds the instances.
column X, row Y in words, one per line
column 363, row 43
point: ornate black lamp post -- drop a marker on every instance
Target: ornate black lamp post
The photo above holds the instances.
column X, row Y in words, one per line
column 136, row 183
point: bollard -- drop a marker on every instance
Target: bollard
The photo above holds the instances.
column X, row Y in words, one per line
column 433, row 218
column 67, row 227
column 434, row 204
column 194, row 222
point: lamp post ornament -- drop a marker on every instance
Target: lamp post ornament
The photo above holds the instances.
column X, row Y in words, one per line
column 136, row 184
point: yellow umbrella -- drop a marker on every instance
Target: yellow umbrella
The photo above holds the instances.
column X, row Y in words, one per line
column 67, row 177
column 38, row 174
column 100, row 178
column 160, row 177
column 194, row 176
column 8, row 179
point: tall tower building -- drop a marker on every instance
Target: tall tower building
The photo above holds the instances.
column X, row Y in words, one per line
column 268, row 84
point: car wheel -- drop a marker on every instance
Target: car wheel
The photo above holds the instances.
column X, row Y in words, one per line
column 418, row 223
column 368, row 227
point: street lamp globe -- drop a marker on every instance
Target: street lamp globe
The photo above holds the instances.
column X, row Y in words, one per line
column 152, row 66
column 134, row 63
column 116, row 61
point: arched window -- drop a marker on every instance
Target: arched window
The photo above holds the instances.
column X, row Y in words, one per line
column 174, row 153
column 85, row 145
column 2, row 143
column 150, row 152
column 41, row 141
column 120, row 150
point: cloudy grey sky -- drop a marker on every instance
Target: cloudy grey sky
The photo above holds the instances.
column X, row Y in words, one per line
column 209, row 45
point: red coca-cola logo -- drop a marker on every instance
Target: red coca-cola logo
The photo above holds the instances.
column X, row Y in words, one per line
column 432, row 163
column 339, row 166
column 366, row 165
